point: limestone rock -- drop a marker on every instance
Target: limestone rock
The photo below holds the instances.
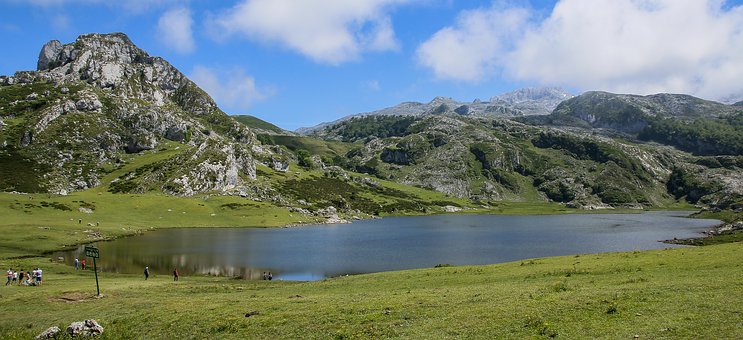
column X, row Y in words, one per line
column 49, row 333
column 84, row 328
column 280, row 165
column 141, row 142
column 49, row 55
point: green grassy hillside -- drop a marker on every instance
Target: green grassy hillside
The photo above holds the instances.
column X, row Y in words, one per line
column 257, row 123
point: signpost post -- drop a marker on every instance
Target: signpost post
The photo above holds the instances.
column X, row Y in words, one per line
column 91, row 251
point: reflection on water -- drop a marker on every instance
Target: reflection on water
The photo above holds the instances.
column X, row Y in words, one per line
column 395, row 243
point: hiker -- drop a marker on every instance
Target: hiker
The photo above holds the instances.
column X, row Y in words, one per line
column 21, row 276
column 82, row 263
column 10, row 276
column 270, row 276
column 175, row 274
column 15, row 277
column 76, row 263
column 38, row 276
column 146, row 272
column 265, row 276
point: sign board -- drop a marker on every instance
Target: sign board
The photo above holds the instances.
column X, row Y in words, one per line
column 91, row 252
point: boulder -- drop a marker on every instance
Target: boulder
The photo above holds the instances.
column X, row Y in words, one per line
column 49, row 55
column 49, row 333
column 175, row 133
column 88, row 104
column 140, row 143
column 84, row 328
column 280, row 165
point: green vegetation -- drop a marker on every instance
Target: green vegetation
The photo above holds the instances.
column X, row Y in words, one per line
column 701, row 136
column 19, row 173
column 257, row 123
column 358, row 128
column 331, row 152
column 650, row 294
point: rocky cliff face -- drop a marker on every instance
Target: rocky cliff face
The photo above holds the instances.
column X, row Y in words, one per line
column 100, row 97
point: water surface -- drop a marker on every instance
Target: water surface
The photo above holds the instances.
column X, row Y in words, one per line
column 393, row 243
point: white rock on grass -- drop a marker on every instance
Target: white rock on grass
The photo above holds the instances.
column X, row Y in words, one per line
column 84, row 328
column 49, row 333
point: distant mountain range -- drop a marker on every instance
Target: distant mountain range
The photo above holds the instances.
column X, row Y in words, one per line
column 522, row 102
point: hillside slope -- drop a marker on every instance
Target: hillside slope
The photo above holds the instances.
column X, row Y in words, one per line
column 96, row 100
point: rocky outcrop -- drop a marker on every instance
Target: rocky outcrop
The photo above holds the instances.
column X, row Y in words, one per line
column 84, row 328
column 49, row 333
column 48, row 58
column 102, row 96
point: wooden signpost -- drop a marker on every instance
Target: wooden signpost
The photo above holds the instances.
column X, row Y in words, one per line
column 91, row 251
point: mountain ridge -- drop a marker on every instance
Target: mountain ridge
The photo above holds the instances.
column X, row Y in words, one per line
column 526, row 101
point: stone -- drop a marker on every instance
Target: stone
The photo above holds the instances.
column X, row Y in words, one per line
column 49, row 333
column 27, row 138
column 84, row 328
column 49, row 55
column 88, row 104
column 175, row 133
column 280, row 165
column 64, row 90
column 141, row 143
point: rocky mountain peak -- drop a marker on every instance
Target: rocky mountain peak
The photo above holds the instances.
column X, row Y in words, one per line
column 49, row 55
column 112, row 47
column 101, row 96
column 533, row 94
column 112, row 62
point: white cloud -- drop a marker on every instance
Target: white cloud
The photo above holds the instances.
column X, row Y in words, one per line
column 327, row 31
column 174, row 30
column 472, row 48
column 231, row 89
column 635, row 46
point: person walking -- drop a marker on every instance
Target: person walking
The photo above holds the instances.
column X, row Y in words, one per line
column 10, row 276
column 82, row 263
column 76, row 263
column 175, row 274
column 146, row 272
column 21, row 277
column 38, row 276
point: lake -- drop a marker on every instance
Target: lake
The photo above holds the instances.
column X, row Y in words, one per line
column 392, row 243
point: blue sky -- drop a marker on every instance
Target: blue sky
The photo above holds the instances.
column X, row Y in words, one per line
column 301, row 62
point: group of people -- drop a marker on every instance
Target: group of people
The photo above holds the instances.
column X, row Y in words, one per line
column 79, row 263
column 267, row 276
column 32, row 278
